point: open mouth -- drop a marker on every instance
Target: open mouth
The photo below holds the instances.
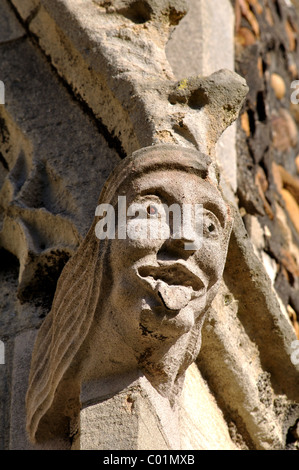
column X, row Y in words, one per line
column 175, row 284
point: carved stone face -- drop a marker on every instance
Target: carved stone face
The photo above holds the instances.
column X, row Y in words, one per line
column 135, row 303
column 160, row 288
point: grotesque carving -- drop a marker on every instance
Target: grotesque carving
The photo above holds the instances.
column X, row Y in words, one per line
column 133, row 302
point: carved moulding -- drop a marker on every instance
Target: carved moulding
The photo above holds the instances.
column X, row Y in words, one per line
column 125, row 304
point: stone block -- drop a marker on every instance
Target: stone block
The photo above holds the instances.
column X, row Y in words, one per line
column 10, row 28
column 26, row 7
column 136, row 418
column 195, row 49
column 202, row 424
column 53, row 175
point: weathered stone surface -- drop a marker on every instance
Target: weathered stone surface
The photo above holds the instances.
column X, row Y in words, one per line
column 193, row 48
column 10, row 28
column 104, row 54
column 136, row 418
column 49, row 149
column 233, row 369
column 142, row 86
column 26, row 8
column 162, row 285
column 45, row 215
column 263, row 304
column 21, row 362
column 269, row 133
column 202, row 424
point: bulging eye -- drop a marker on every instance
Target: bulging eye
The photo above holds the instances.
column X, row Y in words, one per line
column 146, row 208
column 211, row 228
column 152, row 210
column 211, row 225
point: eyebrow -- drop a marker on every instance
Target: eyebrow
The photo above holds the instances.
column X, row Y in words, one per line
column 158, row 191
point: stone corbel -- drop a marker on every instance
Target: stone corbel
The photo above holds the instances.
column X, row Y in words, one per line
column 140, row 101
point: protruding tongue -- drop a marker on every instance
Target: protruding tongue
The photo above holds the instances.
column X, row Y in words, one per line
column 174, row 297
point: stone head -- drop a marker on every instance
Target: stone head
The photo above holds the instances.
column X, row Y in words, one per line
column 137, row 297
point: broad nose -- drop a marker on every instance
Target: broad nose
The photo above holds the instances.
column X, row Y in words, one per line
column 189, row 242
column 179, row 247
column 187, row 236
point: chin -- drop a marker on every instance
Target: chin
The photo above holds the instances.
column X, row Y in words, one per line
column 159, row 323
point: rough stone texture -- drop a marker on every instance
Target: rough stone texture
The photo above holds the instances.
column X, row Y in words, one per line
column 44, row 179
column 194, row 49
column 202, row 423
column 139, row 417
column 267, row 56
column 235, row 382
column 10, row 28
column 250, row 352
column 142, row 86
column 136, row 303
column 49, row 149
column 268, row 137
column 26, row 8
column 23, row 346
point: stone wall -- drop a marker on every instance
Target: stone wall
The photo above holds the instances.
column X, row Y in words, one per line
column 267, row 56
column 74, row 107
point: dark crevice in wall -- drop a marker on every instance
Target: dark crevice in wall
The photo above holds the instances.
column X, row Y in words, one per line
column 112, row 141
column 32, row 15
column 3, row 162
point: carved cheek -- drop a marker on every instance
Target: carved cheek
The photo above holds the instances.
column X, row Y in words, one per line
column 210, row 258
column 147, row 234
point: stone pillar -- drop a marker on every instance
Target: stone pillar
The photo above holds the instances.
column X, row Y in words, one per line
column 202, row 44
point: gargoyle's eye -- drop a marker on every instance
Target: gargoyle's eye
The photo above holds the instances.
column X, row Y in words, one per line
column 152, row 210
column 211, row 226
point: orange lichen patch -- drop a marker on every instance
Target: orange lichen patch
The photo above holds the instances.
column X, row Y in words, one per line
column 243, row 9
column 292, row 208
column 289, row 263
column 294, row 320
column 278, row 85
column 257, row 6
column 285, row 132
column 260, row 67
column 269, row 17
column 277, row 176
column 262, row 185
column 291, row 33
column 290, row 183
column 245, row 123
column 245, row 37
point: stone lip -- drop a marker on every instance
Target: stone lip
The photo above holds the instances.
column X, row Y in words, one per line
column 174, row 283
